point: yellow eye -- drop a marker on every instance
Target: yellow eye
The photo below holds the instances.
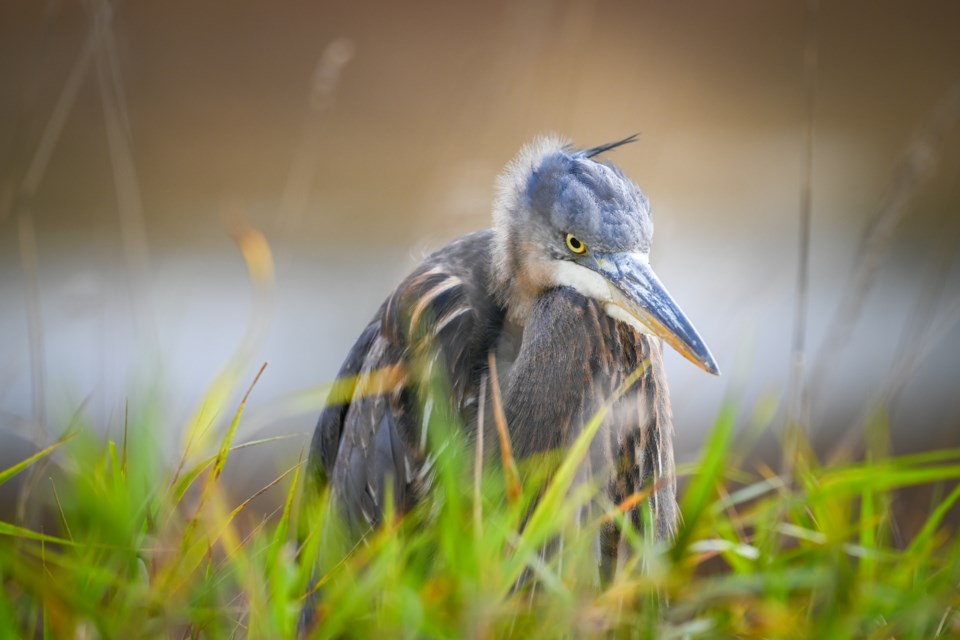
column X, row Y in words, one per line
column 575, row 245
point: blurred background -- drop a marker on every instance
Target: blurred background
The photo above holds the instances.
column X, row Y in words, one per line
column 137, row 138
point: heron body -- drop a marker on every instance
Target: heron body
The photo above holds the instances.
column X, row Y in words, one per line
column 560, row 291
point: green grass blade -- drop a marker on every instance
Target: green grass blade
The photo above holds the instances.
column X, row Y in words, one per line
column 703, row 486
column 12, row 530
column 9, row 472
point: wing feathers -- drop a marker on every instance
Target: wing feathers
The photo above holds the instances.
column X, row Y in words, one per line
column 571, row 358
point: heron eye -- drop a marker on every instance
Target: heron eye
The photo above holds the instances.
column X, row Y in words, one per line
column 575, row 245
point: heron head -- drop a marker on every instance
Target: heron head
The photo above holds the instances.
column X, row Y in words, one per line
column 565, row 218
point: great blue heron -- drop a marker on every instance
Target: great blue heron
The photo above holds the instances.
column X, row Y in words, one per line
column 561, row 291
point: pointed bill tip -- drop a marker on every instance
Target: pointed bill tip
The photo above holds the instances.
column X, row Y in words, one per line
column 645, row 298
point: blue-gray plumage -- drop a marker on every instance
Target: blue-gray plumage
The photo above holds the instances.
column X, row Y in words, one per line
column 561, row 291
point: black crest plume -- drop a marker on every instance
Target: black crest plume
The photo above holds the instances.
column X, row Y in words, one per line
column 595, row 151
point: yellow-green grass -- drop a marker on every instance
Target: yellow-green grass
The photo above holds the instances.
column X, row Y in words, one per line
column 143, row 549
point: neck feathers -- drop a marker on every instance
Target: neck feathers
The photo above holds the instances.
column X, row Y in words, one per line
column 510, row 209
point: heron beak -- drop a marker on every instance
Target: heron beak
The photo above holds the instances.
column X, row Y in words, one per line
column 638, row 292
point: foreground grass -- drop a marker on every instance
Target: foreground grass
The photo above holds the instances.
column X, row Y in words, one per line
column 146, row 551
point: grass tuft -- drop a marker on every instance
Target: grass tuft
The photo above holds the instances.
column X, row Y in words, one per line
column 139, row 550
